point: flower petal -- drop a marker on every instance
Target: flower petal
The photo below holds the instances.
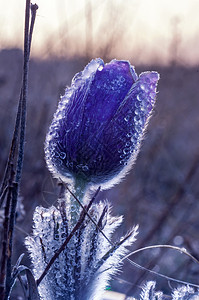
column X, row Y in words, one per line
column 100, row 121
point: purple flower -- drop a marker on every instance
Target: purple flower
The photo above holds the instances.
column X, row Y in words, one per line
column 99, row 124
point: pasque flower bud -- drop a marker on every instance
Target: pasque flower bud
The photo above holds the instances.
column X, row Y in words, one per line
column 99, row 124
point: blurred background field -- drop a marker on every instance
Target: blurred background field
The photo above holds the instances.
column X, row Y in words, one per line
column 161, row 192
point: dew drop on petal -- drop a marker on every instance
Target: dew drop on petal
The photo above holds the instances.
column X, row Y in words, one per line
column 127, row 118
column 137, row 112
column 138, row 128
column 62, row 155
column 127, row 144
column 100, row 68
column 137, row 104
column 133, row 139
column 142, row 86
column 141, row 96
column 136, row 119
column 126, row 150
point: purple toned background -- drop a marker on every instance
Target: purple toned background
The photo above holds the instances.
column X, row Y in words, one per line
column 160, row 193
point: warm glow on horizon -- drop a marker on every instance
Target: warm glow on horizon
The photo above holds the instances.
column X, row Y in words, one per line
column 146, row 31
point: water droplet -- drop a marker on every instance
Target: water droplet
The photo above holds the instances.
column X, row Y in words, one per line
column 133, row 139
column 136, row 135
column 100, row 68
column 137, row 112
column 137, row 104
column 78, row 124
column 183, row 249
column 127, row 118
column 62, row 155
column 138, row 128
column 141, row 96
column 142, row 86
column 136, row 119
column 56, row 135
column 56, row 154
column 85, row 168
column 152, row 86
column 143, row 108
column 126, row 150
column 127, row 144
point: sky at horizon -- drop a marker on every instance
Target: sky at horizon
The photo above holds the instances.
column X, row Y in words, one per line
column 147, row 31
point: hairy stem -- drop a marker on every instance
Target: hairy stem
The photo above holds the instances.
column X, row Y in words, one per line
column 79, row 223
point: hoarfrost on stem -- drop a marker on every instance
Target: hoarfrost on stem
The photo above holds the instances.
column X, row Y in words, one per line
column 83, row 269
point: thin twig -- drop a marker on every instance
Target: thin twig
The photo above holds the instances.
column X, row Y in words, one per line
column 160, row 222
column 112, row 250
column 27, row 44
column 24, row 92
column 21, row 123
column 93, row 248
column 13, row 147
column 188, row 178
column 34, row 8
column 161, row 275
column 89, row 215
column 181, row 250
column 179, row 228
column 21, row 146
column 175, row 199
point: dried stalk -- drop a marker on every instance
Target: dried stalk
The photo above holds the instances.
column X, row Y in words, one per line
column 13, row 172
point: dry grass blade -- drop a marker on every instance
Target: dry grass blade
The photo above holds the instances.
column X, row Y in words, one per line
column 13, row 172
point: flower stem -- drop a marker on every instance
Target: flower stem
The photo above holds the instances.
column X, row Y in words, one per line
column 80, row 188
